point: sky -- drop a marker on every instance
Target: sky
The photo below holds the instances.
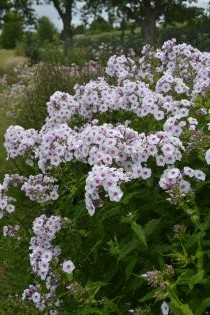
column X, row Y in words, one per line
column 49, row 11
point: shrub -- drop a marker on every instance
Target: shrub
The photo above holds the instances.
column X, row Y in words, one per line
column 183, row 33
column 12, row 30
column 32, row 47
column 46, row 31
column 99, row 24
column 113, row 40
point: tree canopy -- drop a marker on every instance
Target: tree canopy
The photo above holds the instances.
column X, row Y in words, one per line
column 22, row 7
column 146, row 13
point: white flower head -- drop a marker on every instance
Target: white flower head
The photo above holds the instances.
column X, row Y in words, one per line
column 207, row 156
column 173, row 173
column 68, row 266
column 36, row 297
column 165, row 308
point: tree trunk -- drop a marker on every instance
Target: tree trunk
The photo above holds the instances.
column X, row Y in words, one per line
column 65, row 13
column 148, row 28
column 123, row 28
column 66, row 34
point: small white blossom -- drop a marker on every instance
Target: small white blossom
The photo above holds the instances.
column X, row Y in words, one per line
column 68, row 266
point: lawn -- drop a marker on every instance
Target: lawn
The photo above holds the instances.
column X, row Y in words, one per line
column 4, row 54
column 8, row 59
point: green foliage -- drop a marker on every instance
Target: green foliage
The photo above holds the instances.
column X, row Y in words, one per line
column 22, row 7
column 32, row 47
column 183, row 33
column 99, row 24
column 145, row 13
column 46, row 31
column 54, row 53
column 123, row 241
column 114, row 43
column 85, row 48
column 12, row 30
column 79, row 29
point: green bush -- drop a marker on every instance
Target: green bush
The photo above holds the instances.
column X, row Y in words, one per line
column 54, row 53
column 196, row 34
column 99, row 25
column 46, row 31
column 12, row 30
column 32, row 47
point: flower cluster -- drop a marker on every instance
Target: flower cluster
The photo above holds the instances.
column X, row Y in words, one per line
column 19, row 141
column 55, row 147
column 40, row 188
column 61, row 107
column 176, row 186
column 120, row 66
column 95, row 96
column 6, row 202
column 170, row 100
column 42, row 301
column 10, row 230
column 110, row 179
column 43, row 251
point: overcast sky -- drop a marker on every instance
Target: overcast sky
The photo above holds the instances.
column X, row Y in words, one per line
column 49, row 11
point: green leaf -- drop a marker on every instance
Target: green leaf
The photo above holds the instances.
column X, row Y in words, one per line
column 181, row 309
column 197, row 278
column 129, row 247
column 139, row 231
column 185, row 277
column 108, row 213
column 151, row 226
column 95, row 287
column 129, row 196
column 92, row 250
column 130, row 266
column 205, row 303
column 149, row 296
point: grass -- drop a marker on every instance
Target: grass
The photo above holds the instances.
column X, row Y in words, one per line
column 5, row 54
column 107, row 34
column 6, row 121
column 9, row 59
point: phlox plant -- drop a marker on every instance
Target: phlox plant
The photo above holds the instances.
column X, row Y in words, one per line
column 118, row 188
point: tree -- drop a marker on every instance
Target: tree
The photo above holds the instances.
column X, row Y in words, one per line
column 79, row 29
column 65, row 10
column 63, row 7
column 146, row 13
column 46, row 30
column 22, row 7
column 99, row 24
column 184, row 14
column 12, row 30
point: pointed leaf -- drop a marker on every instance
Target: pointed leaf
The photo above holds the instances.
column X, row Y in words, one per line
column 151, row 226
column 139, row 231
